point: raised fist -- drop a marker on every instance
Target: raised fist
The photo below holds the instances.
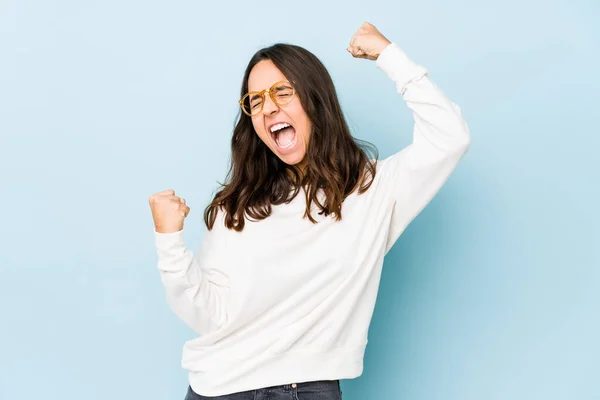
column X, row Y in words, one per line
column 168, row 211
column 367, row 42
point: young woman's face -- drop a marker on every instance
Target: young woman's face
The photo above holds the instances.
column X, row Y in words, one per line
column 283, row 126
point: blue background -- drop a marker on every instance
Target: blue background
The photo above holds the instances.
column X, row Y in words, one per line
column 493, row 291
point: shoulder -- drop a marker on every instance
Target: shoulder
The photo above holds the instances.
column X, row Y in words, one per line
column 389, row 168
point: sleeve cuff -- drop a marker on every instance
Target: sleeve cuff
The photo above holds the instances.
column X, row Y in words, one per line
column 167, row 242
column 399, row 67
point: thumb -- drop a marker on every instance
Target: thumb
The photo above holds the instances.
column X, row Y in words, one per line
column 356, row 52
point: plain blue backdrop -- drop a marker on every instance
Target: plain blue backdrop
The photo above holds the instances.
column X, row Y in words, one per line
column 492, row 293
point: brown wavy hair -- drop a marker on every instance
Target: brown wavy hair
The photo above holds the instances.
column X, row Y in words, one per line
column 335, row 162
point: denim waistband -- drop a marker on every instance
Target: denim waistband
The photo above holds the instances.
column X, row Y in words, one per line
column 313, row 386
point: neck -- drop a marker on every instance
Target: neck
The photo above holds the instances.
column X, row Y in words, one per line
column 300, row 168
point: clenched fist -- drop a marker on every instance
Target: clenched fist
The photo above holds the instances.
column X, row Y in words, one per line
column 367, row 42
column 168, row 211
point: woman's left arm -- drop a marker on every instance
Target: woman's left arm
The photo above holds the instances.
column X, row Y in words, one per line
column 441, row 138
column 413, row 176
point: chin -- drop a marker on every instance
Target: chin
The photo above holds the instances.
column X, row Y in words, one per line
column 292, row 159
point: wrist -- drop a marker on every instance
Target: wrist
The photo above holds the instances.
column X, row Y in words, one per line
column 383, row 47
column 165, row 230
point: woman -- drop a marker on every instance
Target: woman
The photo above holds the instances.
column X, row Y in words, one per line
column 282, row 289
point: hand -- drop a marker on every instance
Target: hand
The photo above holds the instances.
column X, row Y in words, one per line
column 367, row 42
column 168, row 211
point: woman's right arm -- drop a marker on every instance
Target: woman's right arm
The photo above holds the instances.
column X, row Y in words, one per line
column 196, row 293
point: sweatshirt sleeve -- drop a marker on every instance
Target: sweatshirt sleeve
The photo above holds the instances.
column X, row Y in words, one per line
column 414, row 175
column 196, row 292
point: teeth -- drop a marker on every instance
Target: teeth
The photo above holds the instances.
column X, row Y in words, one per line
column 278, row 127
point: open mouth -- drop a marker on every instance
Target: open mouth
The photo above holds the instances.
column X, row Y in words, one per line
column 284, row 135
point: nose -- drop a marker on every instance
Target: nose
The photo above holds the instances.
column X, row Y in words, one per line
column 270, row 107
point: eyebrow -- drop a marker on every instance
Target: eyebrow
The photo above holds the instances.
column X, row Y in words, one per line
column 255, row 97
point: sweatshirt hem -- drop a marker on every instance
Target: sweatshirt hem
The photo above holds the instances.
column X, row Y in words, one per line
column 287, row 368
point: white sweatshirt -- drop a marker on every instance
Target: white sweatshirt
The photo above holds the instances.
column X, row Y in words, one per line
column 289, row 301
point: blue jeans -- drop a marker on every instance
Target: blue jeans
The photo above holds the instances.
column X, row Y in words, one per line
column 318, row 390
